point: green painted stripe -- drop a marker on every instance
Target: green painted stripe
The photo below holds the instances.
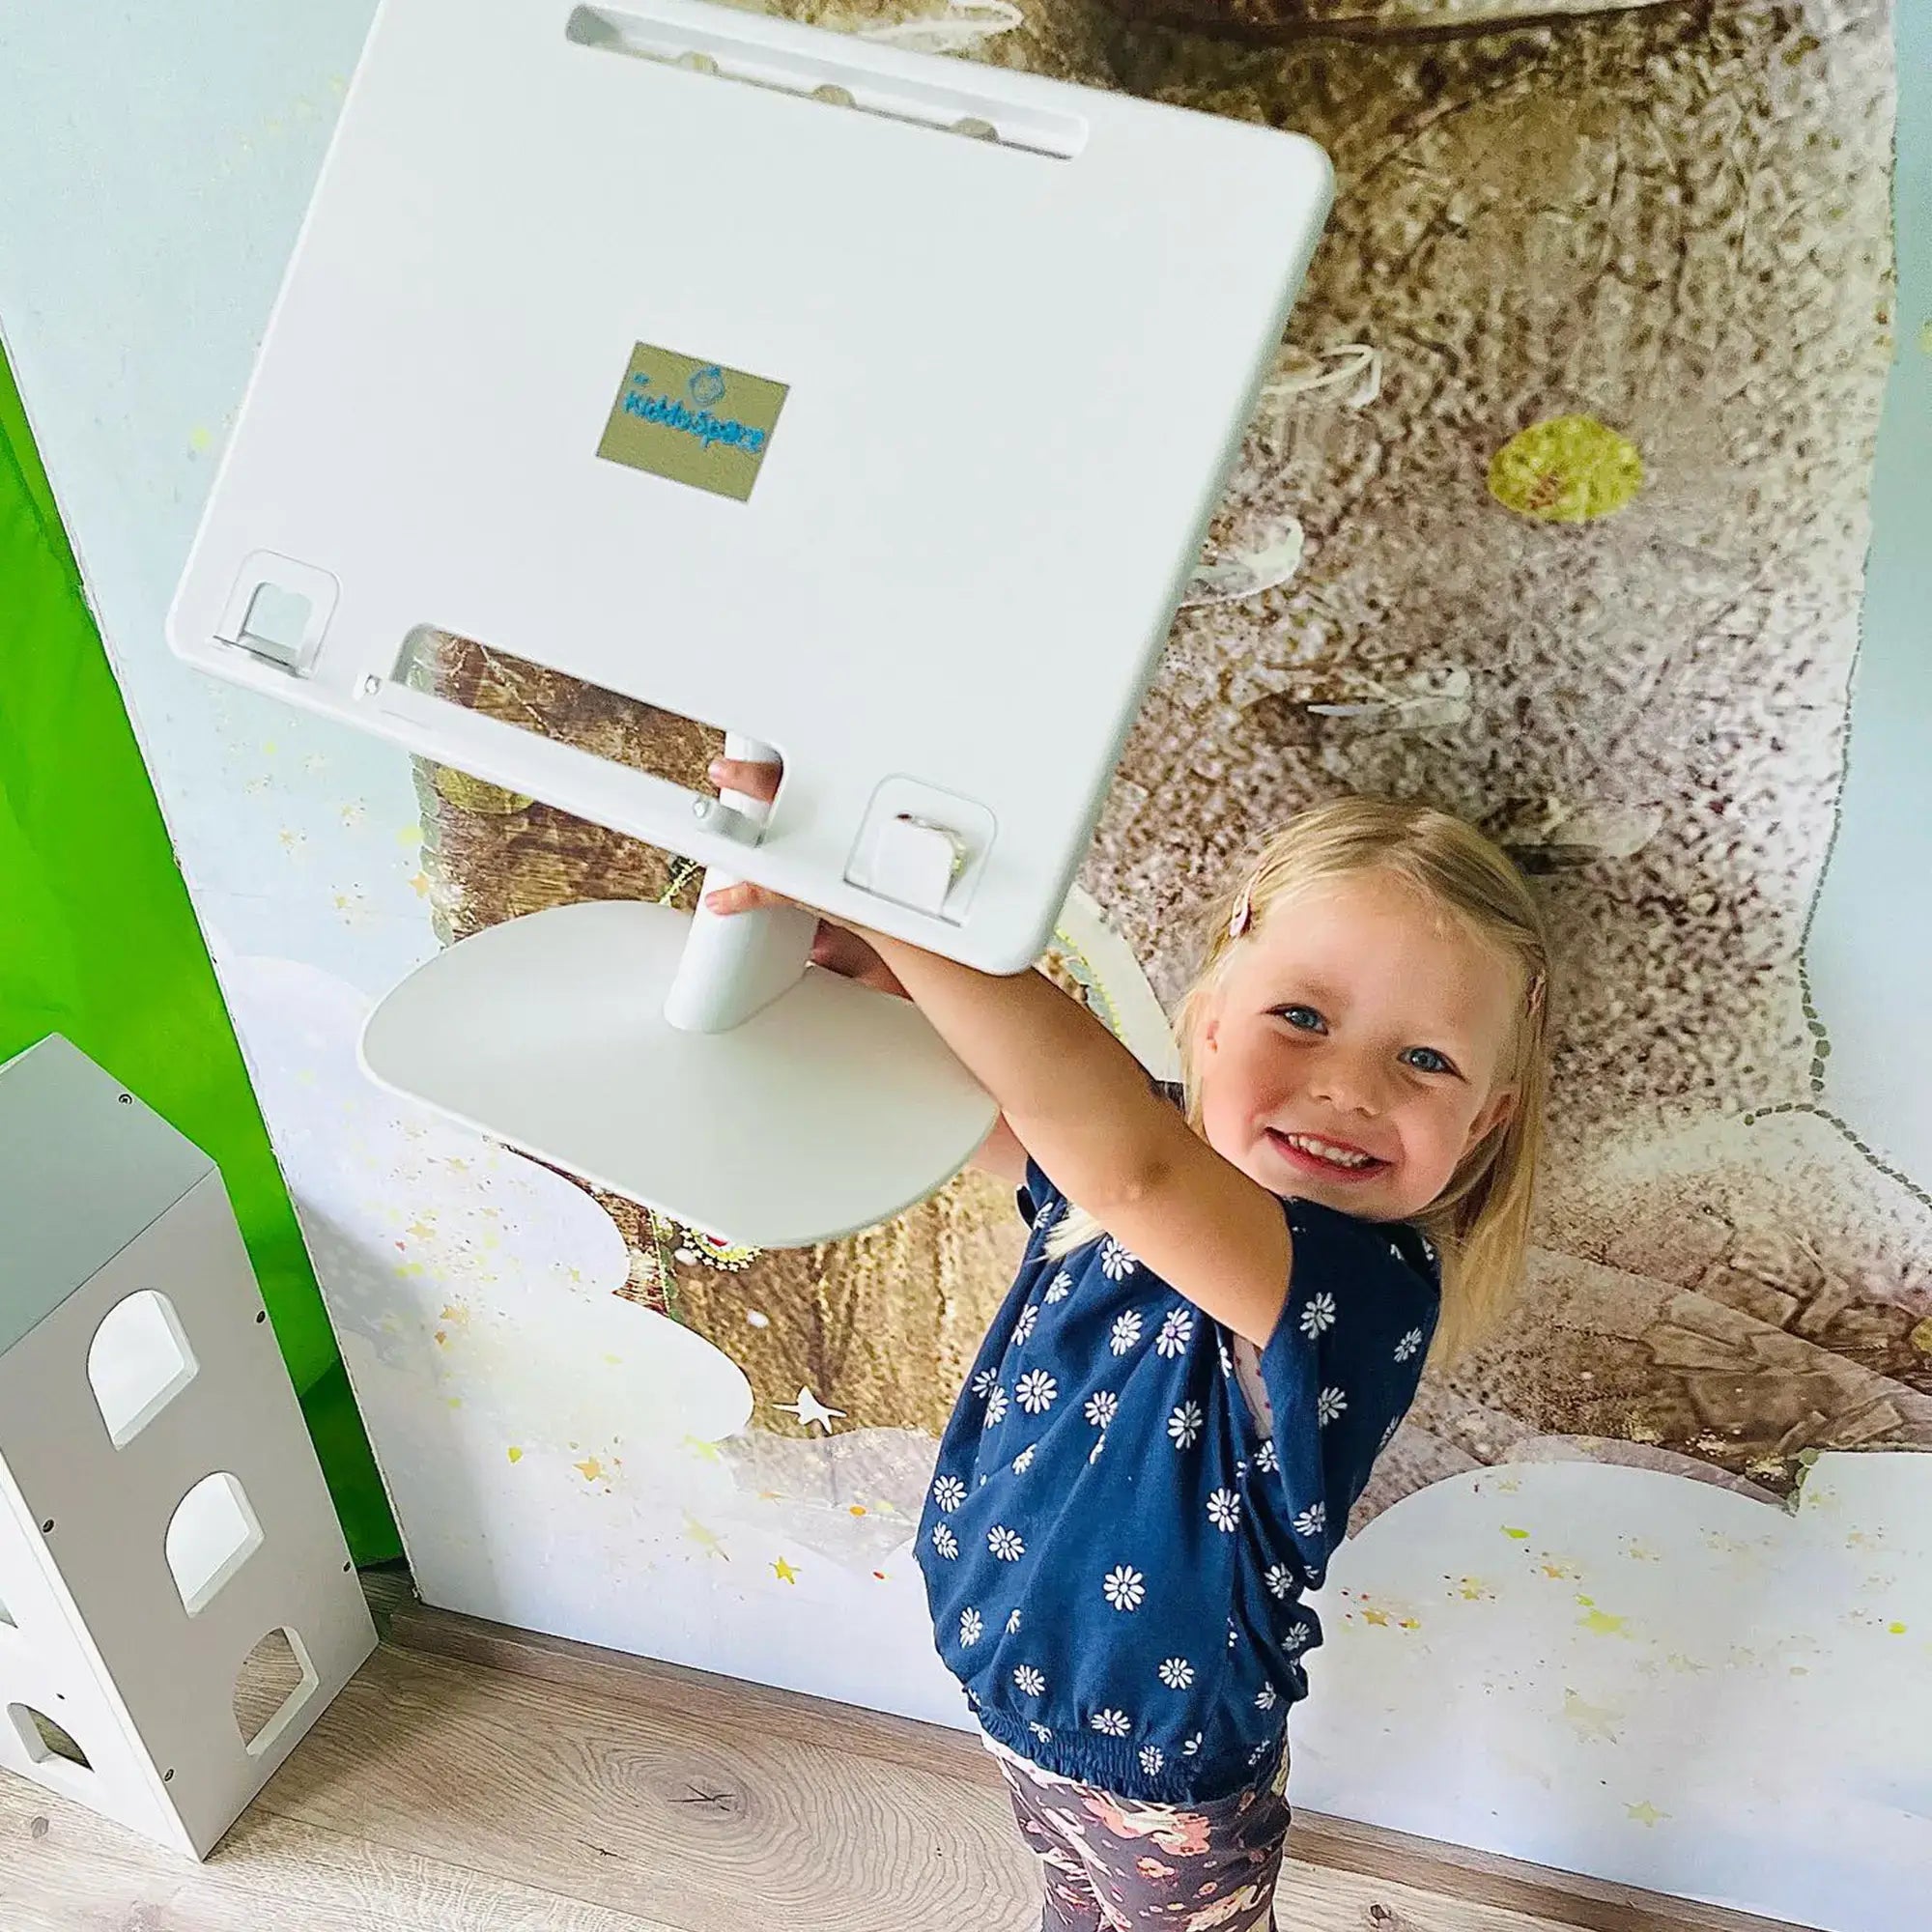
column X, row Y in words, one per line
column 98, row 940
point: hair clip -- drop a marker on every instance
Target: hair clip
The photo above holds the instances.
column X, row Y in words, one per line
column 1244, row 914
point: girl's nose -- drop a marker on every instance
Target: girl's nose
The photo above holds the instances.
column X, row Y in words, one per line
column 1348, row 1085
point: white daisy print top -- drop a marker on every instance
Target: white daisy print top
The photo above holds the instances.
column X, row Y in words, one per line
column 1136, row 1619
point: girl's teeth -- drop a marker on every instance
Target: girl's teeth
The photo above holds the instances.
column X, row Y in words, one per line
column 1321, row 1151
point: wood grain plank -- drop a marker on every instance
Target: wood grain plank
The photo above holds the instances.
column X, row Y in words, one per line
column 557, row 1788
column 1421, row 1866
column 62, row 1869
column 276, row 1874
column 1487, row 1878
column 1311, row 1899
column 706, row 1821
column 676, row 1691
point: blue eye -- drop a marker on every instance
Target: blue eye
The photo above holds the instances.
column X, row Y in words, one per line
column 1426, row 1060
column 1305, row 1019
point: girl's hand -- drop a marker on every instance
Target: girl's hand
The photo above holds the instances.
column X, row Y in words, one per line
column 834, row 948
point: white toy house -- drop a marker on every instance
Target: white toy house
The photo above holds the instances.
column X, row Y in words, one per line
column 176, row 1602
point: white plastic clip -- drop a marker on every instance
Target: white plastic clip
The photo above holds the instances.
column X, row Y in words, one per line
column 915, row 863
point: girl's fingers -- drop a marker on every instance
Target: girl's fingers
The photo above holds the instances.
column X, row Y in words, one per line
column 753, row 779
column 742, row 775
column 740, row 898
column 833, row 947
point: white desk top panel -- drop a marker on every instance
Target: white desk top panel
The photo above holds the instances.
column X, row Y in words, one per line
column 825, row 424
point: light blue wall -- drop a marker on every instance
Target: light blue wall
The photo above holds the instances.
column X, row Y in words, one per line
column 1870, row 955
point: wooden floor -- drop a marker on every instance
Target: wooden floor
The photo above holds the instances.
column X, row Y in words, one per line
column 478, row 1780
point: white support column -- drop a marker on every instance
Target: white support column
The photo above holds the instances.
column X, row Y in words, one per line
column 734, row 966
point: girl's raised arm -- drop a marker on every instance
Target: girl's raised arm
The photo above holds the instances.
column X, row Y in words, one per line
column 1082, row 1107
column 1077, row 1100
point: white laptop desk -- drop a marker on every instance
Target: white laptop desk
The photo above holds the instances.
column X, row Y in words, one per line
column 868, row 405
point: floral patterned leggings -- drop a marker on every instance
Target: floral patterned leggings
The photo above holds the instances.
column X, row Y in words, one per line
column 1113, row 1865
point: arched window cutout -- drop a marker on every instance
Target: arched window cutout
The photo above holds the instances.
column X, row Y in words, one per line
column 213, row 1533
column 45, row 1741
column 276, row 1679
column 138, row 1362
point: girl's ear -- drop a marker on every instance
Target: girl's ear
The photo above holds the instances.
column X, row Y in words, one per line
column 1210, row 1021
column 1501, row 1105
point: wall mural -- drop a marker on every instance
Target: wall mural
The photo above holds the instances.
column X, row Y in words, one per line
column 1554, row 513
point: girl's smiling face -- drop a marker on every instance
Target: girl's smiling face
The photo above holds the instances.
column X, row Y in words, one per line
column 1357, row 1047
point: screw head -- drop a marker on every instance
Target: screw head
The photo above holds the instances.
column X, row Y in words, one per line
column 167, row 1777
column 261, row 1314
column 127, row 1099
column 48, row 1527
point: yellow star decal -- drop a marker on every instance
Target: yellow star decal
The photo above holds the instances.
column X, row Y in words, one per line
column 1590, row 1720
column 705, row 1539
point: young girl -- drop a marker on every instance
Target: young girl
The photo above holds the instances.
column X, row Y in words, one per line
column 1224, row 1307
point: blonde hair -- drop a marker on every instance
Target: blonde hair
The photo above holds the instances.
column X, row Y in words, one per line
column 1480, row 1223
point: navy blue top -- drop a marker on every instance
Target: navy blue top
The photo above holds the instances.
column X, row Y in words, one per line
column 1115, row 1550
